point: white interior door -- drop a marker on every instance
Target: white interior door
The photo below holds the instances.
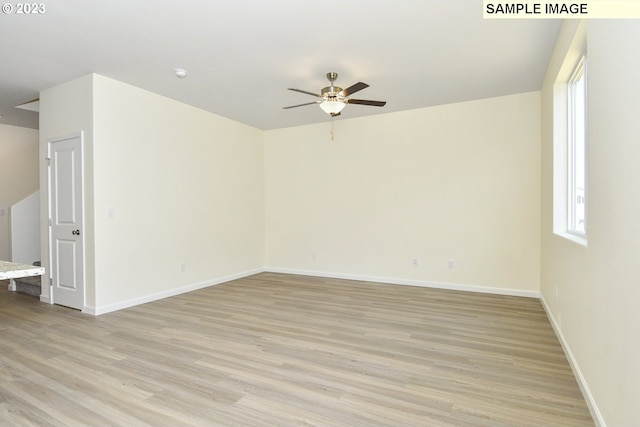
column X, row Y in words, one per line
column 66, row 221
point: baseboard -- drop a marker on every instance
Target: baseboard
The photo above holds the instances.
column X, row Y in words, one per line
column 407, row 282
column 582, row 383
column 96, row 311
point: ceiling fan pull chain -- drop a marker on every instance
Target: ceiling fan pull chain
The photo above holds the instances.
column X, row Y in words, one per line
column 331, row 132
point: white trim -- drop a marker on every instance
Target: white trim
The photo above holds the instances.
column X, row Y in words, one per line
column 582, row 383
column 408, row 282
column 573, row 237
column 96, row 311
column 46, row 299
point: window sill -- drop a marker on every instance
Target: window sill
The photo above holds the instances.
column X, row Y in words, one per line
column 575, row 238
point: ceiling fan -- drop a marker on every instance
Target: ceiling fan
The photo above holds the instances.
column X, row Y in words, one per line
column 333, row 98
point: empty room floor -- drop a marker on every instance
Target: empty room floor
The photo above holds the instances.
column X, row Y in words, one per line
column 285, row 350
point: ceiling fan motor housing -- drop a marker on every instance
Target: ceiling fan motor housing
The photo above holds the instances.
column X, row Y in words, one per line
column 331, row 92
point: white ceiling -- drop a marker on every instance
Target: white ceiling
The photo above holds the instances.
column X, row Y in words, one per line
column 242, row 55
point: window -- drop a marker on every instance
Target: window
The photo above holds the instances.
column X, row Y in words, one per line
column 570, row 145
column 577, row 150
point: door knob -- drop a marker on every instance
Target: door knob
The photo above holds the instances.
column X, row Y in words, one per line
column 76, row 232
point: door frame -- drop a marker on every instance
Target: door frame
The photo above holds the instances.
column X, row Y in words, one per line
column 50, row 141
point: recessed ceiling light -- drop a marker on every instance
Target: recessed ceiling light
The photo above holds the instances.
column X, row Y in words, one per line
column 180, row 73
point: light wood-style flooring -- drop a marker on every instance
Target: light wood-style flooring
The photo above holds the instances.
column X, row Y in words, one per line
column 285, row 350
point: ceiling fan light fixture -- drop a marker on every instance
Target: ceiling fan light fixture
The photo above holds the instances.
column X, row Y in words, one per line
column 332, row 99
column 332, row 106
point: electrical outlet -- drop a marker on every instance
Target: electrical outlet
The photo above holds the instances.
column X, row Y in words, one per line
column 451, row 264
column 183, row 267
column 414, row 262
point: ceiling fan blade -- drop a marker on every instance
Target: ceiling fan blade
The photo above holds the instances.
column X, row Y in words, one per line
column 354, row 88
column 301, row 105
column 304, row 91
column 366, row 102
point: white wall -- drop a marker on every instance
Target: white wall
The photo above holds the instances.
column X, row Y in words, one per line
column 185, row 187
column 457, row 182
column 596, row 310
column 65, row 109
column 25, row 230
column 18, row 174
